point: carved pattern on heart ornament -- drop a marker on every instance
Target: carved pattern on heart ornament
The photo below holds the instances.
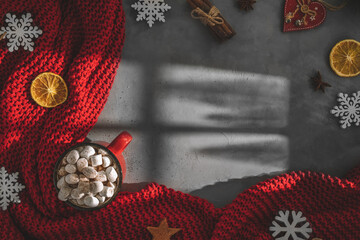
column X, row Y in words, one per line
column 303, row 15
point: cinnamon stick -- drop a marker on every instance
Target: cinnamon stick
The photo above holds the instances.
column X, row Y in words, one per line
column 221, row 31
column 226, row 27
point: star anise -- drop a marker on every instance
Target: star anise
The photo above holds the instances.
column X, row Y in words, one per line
column 246, row 4
column 318, row 82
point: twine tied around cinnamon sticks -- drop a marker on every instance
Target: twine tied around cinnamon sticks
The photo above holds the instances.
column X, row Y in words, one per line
column 210, row 18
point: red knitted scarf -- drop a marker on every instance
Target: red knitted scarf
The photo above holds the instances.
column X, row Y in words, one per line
column 82, row 41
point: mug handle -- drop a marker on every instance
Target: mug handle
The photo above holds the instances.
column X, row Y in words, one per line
column 118, row 145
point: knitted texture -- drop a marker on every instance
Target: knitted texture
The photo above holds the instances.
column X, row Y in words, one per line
column 82, row 42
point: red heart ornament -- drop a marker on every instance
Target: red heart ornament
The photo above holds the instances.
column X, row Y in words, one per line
column 303, row 15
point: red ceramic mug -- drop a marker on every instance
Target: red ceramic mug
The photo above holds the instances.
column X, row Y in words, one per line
column 113, row 150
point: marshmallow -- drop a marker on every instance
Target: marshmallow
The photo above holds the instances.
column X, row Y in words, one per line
column 111, row 174
column 102, row 151
column 72, row 157
column 70, row 168
column 76, row 193
column 106, row 161
column 87, row 152
column 89, row 172
column 110, row 184
column 72, row 178
column 84, row 187
column 60, row 183
column 61, row 197
column 80, row 201
column 64, row 193
column 100, row 198
column 107, row 192
column 91, row 201
column 101, row 176
column 81, row 164
column 96, row 160
column 96, row 187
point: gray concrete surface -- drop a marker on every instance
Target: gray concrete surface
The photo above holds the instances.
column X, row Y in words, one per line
column 213, row 119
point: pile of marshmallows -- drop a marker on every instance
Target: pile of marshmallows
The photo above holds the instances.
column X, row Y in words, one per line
column 86, row 178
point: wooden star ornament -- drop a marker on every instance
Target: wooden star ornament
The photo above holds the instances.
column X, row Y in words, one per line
column 163, row 232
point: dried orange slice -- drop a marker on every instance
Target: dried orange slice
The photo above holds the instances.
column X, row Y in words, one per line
column 49, row 90
column 345, row 58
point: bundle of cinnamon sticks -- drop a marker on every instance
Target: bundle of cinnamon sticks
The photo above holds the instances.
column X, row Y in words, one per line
column 210, row 16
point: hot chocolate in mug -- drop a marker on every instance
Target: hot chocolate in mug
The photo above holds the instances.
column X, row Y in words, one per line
column 88, row 176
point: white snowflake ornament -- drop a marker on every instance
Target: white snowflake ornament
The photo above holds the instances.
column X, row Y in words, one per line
column 298, row 229
column 20, row 32
column 151, row 10
column 9, row 188
column 348, row 110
